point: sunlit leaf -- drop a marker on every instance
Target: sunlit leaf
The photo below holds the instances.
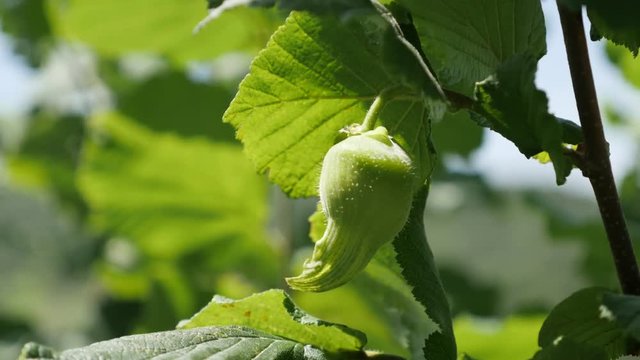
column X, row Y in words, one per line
column 626, row 63
column 163, row 27
column 274, row 312
column 182, row 212
column 318, row 75
column 508, row 339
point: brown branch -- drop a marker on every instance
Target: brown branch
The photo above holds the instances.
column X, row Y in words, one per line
column 597, row 166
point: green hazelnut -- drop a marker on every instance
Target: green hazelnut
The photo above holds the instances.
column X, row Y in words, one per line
column 366, row 189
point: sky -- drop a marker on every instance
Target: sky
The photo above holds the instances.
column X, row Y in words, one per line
column 498, row 159
column 16, row 83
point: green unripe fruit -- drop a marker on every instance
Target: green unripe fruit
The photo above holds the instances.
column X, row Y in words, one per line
column 366, row 188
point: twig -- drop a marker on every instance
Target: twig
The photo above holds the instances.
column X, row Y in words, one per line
column 597, row 166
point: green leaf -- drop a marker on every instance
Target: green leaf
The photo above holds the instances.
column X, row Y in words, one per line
column 43, row 250
column 128, row 176
column 626, row 312
column 568, row 349
column 229, row 342
column 580, row 319
column 27, row 23
column 493, row 339
column 335, row 7
column 166, row 27
column 510, row 104
column 626, row 63
column 170, row 102
column 318, row 75
column 457, row 134
column 466, row 357
column 182, row 208
column 419, row 270
column 466, row 41
column 617, row 21
column 274, row 312
column 360, row 308
column 48, row 157
column 571, row 132
column 393, row 297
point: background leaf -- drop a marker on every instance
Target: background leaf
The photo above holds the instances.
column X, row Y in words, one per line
column 457, row 134
column 233, row 207
column 178, row 226
column 171, row 102
column 491, row 339
column 165, row 28
column 626, row 63
column 49, row 155
column 27, row 22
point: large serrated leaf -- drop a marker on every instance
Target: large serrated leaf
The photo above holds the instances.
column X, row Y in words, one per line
column 510, row 104
column 317, row 75
column 229, row 342
column 581, row 320
column 274, row 312
column 466, row 41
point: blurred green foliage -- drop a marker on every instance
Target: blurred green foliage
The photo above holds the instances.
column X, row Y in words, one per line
column 129, row 219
